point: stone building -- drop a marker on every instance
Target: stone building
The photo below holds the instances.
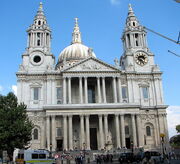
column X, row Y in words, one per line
column 81, row 102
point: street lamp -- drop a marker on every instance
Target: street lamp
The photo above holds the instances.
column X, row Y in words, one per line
column 84, row 152
column 162, row 135
column 132, row 145
column 50, row 150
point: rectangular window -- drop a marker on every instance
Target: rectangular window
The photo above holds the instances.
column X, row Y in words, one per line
column 36, row 93
column 42, row 156
column 59, row 132
column 59, row 95
column 34, row 156
column 124, row 92
column 145, row 92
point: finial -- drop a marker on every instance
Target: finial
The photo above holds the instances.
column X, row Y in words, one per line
column 130, row 8
column 76, row 22
column 76, row 33
column 40, row 6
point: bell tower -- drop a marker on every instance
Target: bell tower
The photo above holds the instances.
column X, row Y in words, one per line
column 38, row 56
column 137, row 56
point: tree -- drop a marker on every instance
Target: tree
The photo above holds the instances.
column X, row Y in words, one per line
column 178, row 128
column 15, row 126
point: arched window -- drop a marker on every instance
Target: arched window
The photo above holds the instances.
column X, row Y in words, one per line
column 39, row 22
column 35, row 134
column 148, row 131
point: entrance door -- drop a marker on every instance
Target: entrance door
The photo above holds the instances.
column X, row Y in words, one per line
column 93, row 139
column 60, row 145
column 128, row 143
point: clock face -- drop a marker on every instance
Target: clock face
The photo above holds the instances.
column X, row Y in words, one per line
column 141, row 58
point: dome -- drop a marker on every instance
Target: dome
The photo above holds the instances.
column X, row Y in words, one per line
column 75, row 52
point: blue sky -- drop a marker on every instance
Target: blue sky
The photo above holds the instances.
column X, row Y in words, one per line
column 101, row 23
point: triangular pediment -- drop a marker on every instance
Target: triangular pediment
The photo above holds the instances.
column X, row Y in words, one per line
column 91, row 65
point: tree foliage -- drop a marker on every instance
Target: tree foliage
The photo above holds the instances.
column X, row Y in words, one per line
column 15, row 126
column 178, row 128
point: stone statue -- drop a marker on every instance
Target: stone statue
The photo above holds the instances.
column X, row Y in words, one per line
column 116, row 61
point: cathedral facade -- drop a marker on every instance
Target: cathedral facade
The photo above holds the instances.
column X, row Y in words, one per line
column 81, row 102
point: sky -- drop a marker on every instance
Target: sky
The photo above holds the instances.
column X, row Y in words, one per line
column 101, row 24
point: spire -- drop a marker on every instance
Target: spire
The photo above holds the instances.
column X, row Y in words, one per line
column 131, row 20
column 76, row 35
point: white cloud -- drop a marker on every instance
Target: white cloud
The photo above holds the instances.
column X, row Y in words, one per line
column 115, row 2
column 173, row 118
column 1, row 88
column 14, row 89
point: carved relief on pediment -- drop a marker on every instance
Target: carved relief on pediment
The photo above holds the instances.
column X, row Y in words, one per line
column 92, row 65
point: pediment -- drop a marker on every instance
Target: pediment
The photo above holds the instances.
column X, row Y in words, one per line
column 91, row 65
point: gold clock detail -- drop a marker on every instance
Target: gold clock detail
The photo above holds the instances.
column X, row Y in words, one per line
column 141, row 58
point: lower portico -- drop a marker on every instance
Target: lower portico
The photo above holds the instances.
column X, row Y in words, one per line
column 100, row 129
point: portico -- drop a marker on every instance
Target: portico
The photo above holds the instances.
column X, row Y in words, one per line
column 102, row 122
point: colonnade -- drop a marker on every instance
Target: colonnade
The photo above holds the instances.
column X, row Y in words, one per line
column 83, row 90
column 85, row 131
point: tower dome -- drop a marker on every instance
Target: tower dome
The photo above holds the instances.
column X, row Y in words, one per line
column 76, row 51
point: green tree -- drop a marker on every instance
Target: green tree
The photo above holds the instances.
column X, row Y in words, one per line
column 178, row 128
column 15, row 126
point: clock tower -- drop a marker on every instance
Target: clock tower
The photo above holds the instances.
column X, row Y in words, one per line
column 38, row 57
column 137, row 56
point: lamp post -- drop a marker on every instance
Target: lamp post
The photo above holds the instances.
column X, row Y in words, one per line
column 132, row 145
column 50, row 154
column 84, row 152
column 162, row 135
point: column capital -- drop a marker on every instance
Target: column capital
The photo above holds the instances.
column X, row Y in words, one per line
column 53, row 116
column 70, row 115
column 99, row 115
column 87, row 115
column 121, row 114
column 105, row 115
column 116, row 114
column 69, row 77
column 81, row 115
column 64, row 115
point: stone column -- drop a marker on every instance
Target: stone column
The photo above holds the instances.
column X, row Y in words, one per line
column 114, row 90
column 65, row 132
column 104, row 89
column 80, row 91
column 69, row 90
column 106, row 127
column 64, row 90
column 101, row 132
column 82, row 130
column 134, row 130
column 53, row 131
column 85, row 90
column 122, row 131
column 118, row 144
column 139, row 128
column 99, row 90
column 87, row 133
column 119, row 90
column 70, row 133
column 157, row 134
column 43, row 136
column 48, row 131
